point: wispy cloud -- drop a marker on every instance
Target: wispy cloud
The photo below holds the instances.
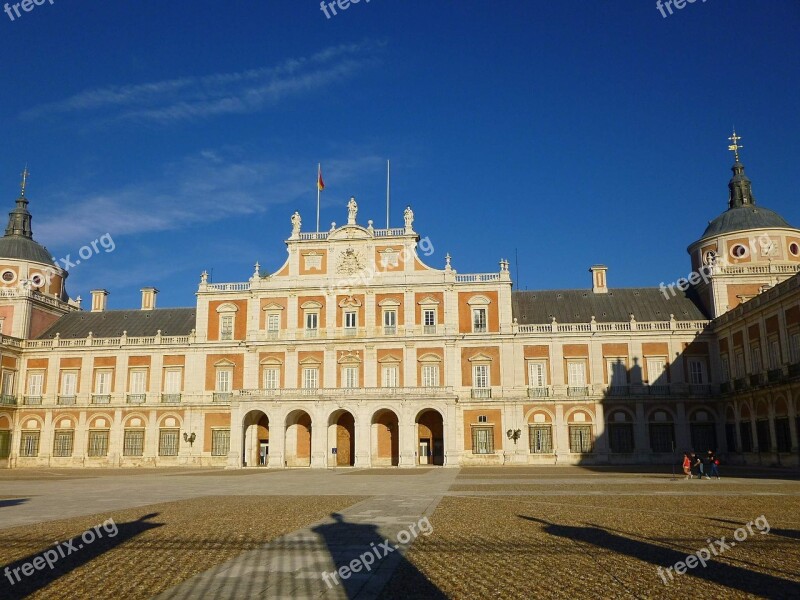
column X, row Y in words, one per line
column 187, row 98
column 201, row 188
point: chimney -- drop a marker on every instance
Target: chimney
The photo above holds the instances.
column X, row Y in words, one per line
column 149, row 298
column 99, row 300
column 599, row 283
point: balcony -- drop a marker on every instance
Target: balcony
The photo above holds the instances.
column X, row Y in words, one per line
column 726, row 387
column 222, row 396
column 345, row 393
column 794, row 370
column 66, row 400
column 350, row 332
column 484, row 393
column 101, row 398
column 136, row 398
column 170, row 398
column 577, row 391
column 740, row 383
column 756, row 379
column 311, row 333
column 273, row 334
column 389, row 330
column 699, row 389
column 538, row 392
column 774, row 375
column 8, row 400
column 32, row 400
column 429, row 329
column 658, row 390
column 618, row 390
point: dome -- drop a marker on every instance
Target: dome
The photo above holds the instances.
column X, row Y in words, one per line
column 21, row 248
column 741, row 218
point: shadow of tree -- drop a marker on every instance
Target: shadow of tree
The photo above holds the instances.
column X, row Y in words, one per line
column 745, row 580
column 79, row 554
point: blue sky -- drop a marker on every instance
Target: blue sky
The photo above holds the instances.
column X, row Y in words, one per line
column 572, row 133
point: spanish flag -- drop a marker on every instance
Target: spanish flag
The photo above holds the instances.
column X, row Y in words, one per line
column 320, row 183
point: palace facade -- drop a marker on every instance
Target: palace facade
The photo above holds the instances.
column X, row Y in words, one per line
column 357, row 352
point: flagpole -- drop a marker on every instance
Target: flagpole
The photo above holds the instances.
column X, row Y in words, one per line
column 319, row 172
column 387, row 193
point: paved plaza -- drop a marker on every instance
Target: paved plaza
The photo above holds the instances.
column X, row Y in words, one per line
column 552, row 532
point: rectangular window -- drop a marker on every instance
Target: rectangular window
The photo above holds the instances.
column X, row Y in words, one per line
column 617, row 372
column 480, row 376
column 350, row 377
column 168, row 442
column 697, row 371
column 576, row 373
column 389, row 322
column 271, row 378
column 794, row 342
column 133, row 442
column 220, row 442
column 69, row 383
column 350, row 320
column 755, row 359
column 430, row 375
column 98, row 443
column 172, row 381
column 273, row 323
column 478, row 320
column 390, row 378
column 746, row 433
column 730, row 437
column 8, row 383
column 740, row 370
column 657, row 371
column 224, row 377
column 138, row 383
column 429, row 320
column 102, row 383
column 482, row 440
column 662, row 437
column 580, row 439
column 29, row 443
column 783, row 438
column 310, row 378
column 312, row 320
column 5, row 443
column 536, row 377
column 62, row 443
column 541, row 438
column 226, row 327
column 35, row 384
column 620, row 437
column 774, row 354
column 726, row 368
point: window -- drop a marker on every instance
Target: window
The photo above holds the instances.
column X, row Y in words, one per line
column 726, row 368
column 746, row 433
column 350, row 377
column 168, row 442
column 576, row 373
column 62, row 443
column 541, row 438
column 8, row 383
column 312, row 322
column 69, row 383
column 479, row 320
column 697, row 371
column 580, row 439
column 730, row 437
column 620, row 437
column 226, row 327
column 755, row 359
column 29, row 443
column 172, row 381
column 102, row 383
column 220, row 442
column 310, row 378
column 740, row 371
column 5, row 443
column 35, row 384
column 390, row 377
column 482, row 440
column 430, row 375
column 271, row 378
column 133, row 442
column 662, row 437
column 224, row 377
column 483, row 419
column 617, row 372
column 480, row 376
column 536, row 378
column 389, row 322
column 429, row 320
column 794, row 343
column 774, row 354
column 350, row 320
column 783, row 438
column 273, row 324
column 657, row 371
column 98, row 443
column 138, row 383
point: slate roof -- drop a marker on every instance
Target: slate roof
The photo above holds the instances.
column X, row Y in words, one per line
column 22, row 248
column 742, row 218
column 578, row 306
column 111, row 323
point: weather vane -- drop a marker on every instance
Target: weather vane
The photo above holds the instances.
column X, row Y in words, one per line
column 25, row 175
column 735, row 145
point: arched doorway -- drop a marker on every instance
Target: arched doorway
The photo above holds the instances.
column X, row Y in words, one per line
column 255, row 439
column 298, row 439
column 430, row 438
column 342, row 437
column 385, row 439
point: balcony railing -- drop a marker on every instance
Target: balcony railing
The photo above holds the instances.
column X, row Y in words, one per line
column 774, row 375
column 429, row 329
column 794, row 370
column 377, row 392
column 481, row 392
column 66, row 400
column 756, row 379
column 577, row 391
column 389, row 330
column 32, row 400
column 101, row 398
column 312, row 333
column 170, row 398
column 538, row 392
column 740, row 383
column 658, row 390
column 273, row 334
column 699, row 389
column 136, row 398
column 222, row 396
column 726, row 387
column 8, row 400
column 618, row 390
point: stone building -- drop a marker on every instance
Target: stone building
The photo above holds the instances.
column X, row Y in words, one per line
column 357, row 352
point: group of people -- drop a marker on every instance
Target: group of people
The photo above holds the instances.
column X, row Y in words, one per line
column 695, row 465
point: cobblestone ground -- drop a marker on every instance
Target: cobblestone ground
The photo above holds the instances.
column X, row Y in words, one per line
column 156, row 546
column 606, row 538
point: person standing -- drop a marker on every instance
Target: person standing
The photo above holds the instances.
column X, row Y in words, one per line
column 687, row 465
column 697, row 465
column 713, row 464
